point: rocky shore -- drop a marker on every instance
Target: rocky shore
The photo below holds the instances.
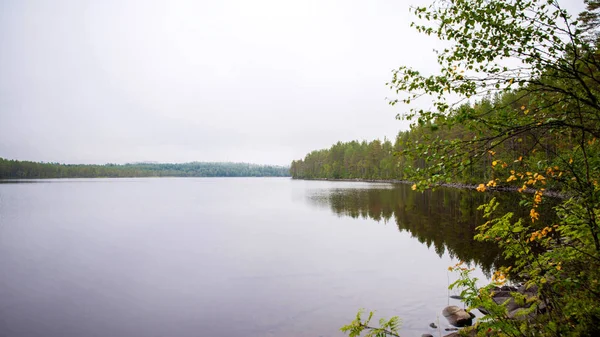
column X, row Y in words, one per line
column 504, row 296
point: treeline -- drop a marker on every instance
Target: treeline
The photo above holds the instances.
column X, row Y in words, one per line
column 428, row 144
column 379, row 160
column 14, row 169
column 366, row 160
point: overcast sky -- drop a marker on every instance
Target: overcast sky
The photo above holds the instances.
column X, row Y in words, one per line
column 262, row 81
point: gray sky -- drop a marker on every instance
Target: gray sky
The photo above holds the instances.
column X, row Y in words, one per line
column 262, row 81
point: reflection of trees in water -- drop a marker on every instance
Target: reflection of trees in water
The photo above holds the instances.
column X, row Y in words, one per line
column 445, row 218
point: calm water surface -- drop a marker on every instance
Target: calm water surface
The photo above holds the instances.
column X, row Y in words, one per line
column 226, row 256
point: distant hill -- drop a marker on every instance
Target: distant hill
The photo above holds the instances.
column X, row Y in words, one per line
column 14, row 169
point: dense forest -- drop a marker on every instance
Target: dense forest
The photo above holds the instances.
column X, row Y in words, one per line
column 365, row 160
column 424, row 147
column 14, row 169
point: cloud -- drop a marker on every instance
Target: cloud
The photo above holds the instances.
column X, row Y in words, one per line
column 261, row 81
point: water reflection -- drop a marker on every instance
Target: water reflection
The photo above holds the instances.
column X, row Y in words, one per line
column 445, row 218
column 175, row 256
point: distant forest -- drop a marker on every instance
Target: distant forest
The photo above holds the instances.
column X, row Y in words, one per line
column 14, row 169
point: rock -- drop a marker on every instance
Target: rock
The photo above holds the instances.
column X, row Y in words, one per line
column 433, row 325
column 509, row 300
column 483, row 311
column 508, row 288
column 456, row 297
column 457, row 316
column 426, row 335
column 504, row 295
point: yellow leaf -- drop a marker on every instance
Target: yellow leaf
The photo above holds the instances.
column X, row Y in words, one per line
column 534, row 216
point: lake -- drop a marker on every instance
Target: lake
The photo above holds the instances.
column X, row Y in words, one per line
column 227, row 256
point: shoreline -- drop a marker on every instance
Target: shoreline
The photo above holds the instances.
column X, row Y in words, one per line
column 553, row 194
column 131, row 177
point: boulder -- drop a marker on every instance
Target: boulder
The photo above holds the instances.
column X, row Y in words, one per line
column 458, row 317
column 504, row 295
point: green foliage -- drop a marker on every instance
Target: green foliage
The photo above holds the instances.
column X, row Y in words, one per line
column 358, row 326
column 536, row 124
column 14, row 169
column 366, row 160
column 520, row 79
column 563, row 275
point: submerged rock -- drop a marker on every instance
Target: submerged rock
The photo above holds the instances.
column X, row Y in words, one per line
column 458, row 317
